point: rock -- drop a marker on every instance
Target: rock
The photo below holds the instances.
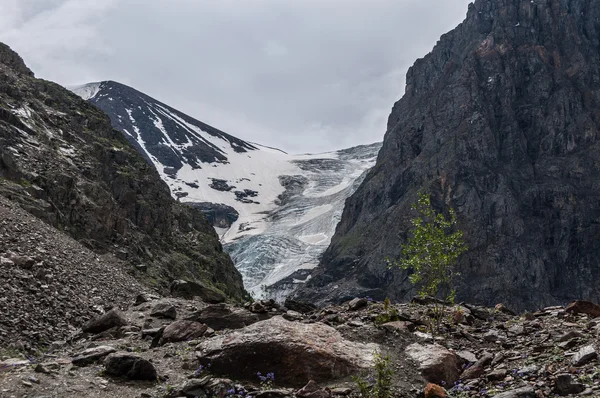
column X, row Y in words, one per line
column 399, row 326
column 357, row 303
column 273, row 394
column 293, row 316
column 312, row 390
column 341, row 391
column 152, row 332
column 564, row 385
column 183, row 331
column 303, row 308
column 123, row 364
column 92, row 354
column 141, row 299
column 476, row 370
column 504, row 309
column 189, row 290
column 24, row 262
column 164, row 310
column 524, row 392
column 436, row 364
column 516, row 330
column 14, row 362
column 467, row 356
column 113, row 318
column 494, row 335
column 434, row 391
column 297, row 351
column 224, row 316
column 497, row 375
column 583, row 307
column 573, row 334
column 6, row 262
column 584, row 356
column 529, row 370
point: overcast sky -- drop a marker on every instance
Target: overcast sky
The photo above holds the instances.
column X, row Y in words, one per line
column 301, row 75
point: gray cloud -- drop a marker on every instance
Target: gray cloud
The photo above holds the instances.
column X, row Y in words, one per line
column 301, row 75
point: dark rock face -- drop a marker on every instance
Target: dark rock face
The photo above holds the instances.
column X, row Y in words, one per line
column 13, row 61
column 500, row 121
column 62, row 161
column 218, row 214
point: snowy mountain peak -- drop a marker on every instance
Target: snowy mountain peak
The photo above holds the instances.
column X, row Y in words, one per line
column 275, row 212
column 167, row 137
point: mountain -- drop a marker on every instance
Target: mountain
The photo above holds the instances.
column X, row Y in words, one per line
column 275, row 212
column 500, row 121
column 61, row 160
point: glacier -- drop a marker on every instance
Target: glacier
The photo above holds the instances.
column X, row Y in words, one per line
column 288, row 205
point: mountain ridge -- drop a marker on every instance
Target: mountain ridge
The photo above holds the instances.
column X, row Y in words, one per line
column 62, row 161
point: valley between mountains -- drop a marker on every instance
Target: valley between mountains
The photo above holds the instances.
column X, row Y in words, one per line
column 145, row 253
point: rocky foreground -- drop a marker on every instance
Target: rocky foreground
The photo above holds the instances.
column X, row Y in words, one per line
column 169, row 347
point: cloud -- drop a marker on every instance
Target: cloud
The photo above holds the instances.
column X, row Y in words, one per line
column 302, row 75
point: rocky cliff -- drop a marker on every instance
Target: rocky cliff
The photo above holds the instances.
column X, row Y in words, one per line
column 500, row 121
column 61, row 160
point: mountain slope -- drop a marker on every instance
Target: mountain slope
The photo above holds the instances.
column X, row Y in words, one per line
column 62, row 161
column 275, row 212
column 499, row 121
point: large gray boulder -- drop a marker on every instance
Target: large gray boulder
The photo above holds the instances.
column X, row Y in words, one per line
column 111, row 319
column 294, row 351
column 436, row 364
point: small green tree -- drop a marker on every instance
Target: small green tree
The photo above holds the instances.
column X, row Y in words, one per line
column 432, row 252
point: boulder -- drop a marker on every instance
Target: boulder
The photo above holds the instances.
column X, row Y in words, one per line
column 296, row 351
column 183, row 331
column 437, row 364
column 357, row 304
column 189, row 290
column 223, row 316
column 524, row 392
column 399, row 326
column 584, row 355
column 584, row 307
column 113, row 318
column 565, row 385
column 124, row 364
column 164, row 310
column 504, row 309
column 434, row 391
column 476, row 370
column 92, row 354
column 303, row 308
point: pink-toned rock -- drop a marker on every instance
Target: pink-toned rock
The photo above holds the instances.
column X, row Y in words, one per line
column 295, row 351
column 584, row 307
column 183, row 331
column 437, row 364
column 398, row 326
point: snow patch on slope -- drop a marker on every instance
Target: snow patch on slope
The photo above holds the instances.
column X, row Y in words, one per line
column 86, row 91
